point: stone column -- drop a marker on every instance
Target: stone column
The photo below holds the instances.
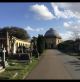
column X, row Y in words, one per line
column 14, row 46
column 22, row 48
column 7, row 42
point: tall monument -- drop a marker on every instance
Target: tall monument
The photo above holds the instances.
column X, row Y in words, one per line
column 8, row 43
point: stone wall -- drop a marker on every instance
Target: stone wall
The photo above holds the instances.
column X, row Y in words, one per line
column 52, row 42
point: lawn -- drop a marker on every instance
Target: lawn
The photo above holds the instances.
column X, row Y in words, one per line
column 77, row 55
column 18, row 69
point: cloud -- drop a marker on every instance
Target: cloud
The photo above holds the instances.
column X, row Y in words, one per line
column 72, row 26
column 42, row 12
column 67, row 12
column 67, row 35
column 78, row 21
column 66, row 24
column 60, row 10
column 72, row 6
column 59, row 13
column 39, row 29
column 28, row 28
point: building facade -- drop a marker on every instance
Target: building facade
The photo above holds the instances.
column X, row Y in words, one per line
column 52, row 38
column 13, row 44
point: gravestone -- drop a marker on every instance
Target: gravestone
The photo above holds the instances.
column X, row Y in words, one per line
column 1, row 49
column 4, row 62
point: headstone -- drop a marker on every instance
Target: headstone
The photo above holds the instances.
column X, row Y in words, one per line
column 6, row 64
column 3, row 58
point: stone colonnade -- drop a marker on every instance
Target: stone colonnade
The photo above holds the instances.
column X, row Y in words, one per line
column 19, row 44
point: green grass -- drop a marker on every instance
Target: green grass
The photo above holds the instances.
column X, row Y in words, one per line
column 21, row 68
column 77, row 55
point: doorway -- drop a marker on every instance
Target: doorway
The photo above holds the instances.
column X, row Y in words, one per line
column 52, row 46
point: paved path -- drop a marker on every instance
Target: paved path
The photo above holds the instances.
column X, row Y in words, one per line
column 55, row 65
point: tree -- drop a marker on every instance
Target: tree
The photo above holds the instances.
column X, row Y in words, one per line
column 16, row 32
column 34, row 47
column 67, row 46
column 40, row 44
column 76, row 38
column 75, row 35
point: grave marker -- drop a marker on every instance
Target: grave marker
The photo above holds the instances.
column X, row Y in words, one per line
column 3, row 57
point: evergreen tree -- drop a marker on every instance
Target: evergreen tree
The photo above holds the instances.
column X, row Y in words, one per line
column 40, row 44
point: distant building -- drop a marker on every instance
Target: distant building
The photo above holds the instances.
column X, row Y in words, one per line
column 13, row 44
column 52, row 38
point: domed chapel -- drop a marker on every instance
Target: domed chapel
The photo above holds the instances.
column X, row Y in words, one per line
column 52, row 38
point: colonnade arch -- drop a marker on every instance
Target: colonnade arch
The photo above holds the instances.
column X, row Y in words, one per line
column 21, row 46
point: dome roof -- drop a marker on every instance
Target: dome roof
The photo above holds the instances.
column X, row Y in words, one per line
column 52, row 33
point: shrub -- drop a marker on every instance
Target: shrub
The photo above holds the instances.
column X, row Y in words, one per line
column 20, row 56
column 35, row 53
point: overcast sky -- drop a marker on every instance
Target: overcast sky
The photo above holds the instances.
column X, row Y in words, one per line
column 38, row 17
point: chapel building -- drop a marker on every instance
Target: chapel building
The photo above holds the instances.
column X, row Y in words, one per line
column 52, row 38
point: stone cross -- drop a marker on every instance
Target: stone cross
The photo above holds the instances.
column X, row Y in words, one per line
column 3, row 59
